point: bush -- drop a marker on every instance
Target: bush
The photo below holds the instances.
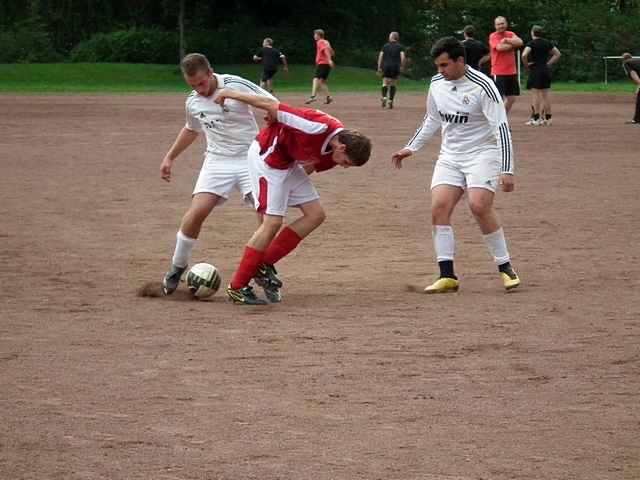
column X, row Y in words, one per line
column 28, row 42
column 138, row 45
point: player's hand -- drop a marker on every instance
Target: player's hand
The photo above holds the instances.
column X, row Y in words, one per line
column 223, row 94
column 507, row 182
column 270, row 118
column 379, row 72
column 165, row 169
column 396, row 158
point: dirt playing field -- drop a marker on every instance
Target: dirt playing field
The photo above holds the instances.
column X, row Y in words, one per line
column 351, row 376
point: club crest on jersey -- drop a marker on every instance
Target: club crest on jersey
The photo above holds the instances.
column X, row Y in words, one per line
column 459, row 117
column 466, row 100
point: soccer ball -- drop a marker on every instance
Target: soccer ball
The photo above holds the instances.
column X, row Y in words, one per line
column 203, row 280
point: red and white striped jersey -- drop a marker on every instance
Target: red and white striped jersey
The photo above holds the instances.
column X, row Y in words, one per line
column 299, row 135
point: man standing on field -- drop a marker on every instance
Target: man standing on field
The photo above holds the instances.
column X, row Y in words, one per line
column 229, row 131
column 324, row 64
column 503, row 43
column 391, row 61
column 632, row 69
column 475, row 156
column 270, row 58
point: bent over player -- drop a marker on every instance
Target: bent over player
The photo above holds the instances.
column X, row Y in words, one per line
column 475, row 156
column 229, row 131
column 296, row 143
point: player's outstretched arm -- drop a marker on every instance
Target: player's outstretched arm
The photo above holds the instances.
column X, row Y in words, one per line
column 396, row 158
column 185, row 138
column 269, row 104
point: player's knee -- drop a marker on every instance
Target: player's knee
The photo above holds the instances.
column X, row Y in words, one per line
column 317, row 217
column 479, row 208
column 440, row 213
column 194, row 218
column 270, row 226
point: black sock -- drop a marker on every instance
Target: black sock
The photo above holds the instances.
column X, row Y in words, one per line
column 446, row 269
column 536, row 116
column 547, row 116
column 392, row 92
column 505, row 267
column 384, row 91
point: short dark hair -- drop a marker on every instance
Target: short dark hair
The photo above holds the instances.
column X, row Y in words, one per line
column 194, row 63
column 450, row 45
column 537, row 30
column 470, row 31
column 358, row 147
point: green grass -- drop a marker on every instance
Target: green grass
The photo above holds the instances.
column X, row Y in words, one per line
column 141, row 78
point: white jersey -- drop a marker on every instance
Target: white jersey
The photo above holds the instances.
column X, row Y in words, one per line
column 229, row 131
column 472, row 117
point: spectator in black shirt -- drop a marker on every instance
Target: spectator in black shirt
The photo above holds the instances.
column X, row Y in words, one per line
column 538, row 56
column 391, row 61
column 475, row 51
column 632, row 67
column 270, row 58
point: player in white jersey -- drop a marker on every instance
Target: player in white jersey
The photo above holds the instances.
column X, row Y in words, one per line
column 475, row 155
column 229, row 131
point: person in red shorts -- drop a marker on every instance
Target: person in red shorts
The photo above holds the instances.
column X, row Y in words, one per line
column 295, row 142
column 502, row 44
column 324, row 64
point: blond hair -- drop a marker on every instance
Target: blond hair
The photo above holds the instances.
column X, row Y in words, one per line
column 194, row 63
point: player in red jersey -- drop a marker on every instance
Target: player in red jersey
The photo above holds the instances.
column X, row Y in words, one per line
column 295, row 143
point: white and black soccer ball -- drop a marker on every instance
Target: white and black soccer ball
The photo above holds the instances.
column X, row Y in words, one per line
column 203, row 280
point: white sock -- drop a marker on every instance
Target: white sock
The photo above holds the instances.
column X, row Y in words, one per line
column 184, row 246
column 444, row 242
column 497, row 246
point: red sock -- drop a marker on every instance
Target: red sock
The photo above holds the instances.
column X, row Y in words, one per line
column 281, row 246
column 247, row 269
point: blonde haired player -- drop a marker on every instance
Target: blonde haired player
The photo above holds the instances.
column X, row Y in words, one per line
column 229, row 131
column 475, row 156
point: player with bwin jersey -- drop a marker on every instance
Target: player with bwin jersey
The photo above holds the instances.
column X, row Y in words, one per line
column 475, row 155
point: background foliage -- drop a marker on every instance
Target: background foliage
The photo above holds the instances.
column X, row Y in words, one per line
column 146, row 31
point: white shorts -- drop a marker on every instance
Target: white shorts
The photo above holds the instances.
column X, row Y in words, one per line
column 476, row 170
column 274, row 190
column 219, row 175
